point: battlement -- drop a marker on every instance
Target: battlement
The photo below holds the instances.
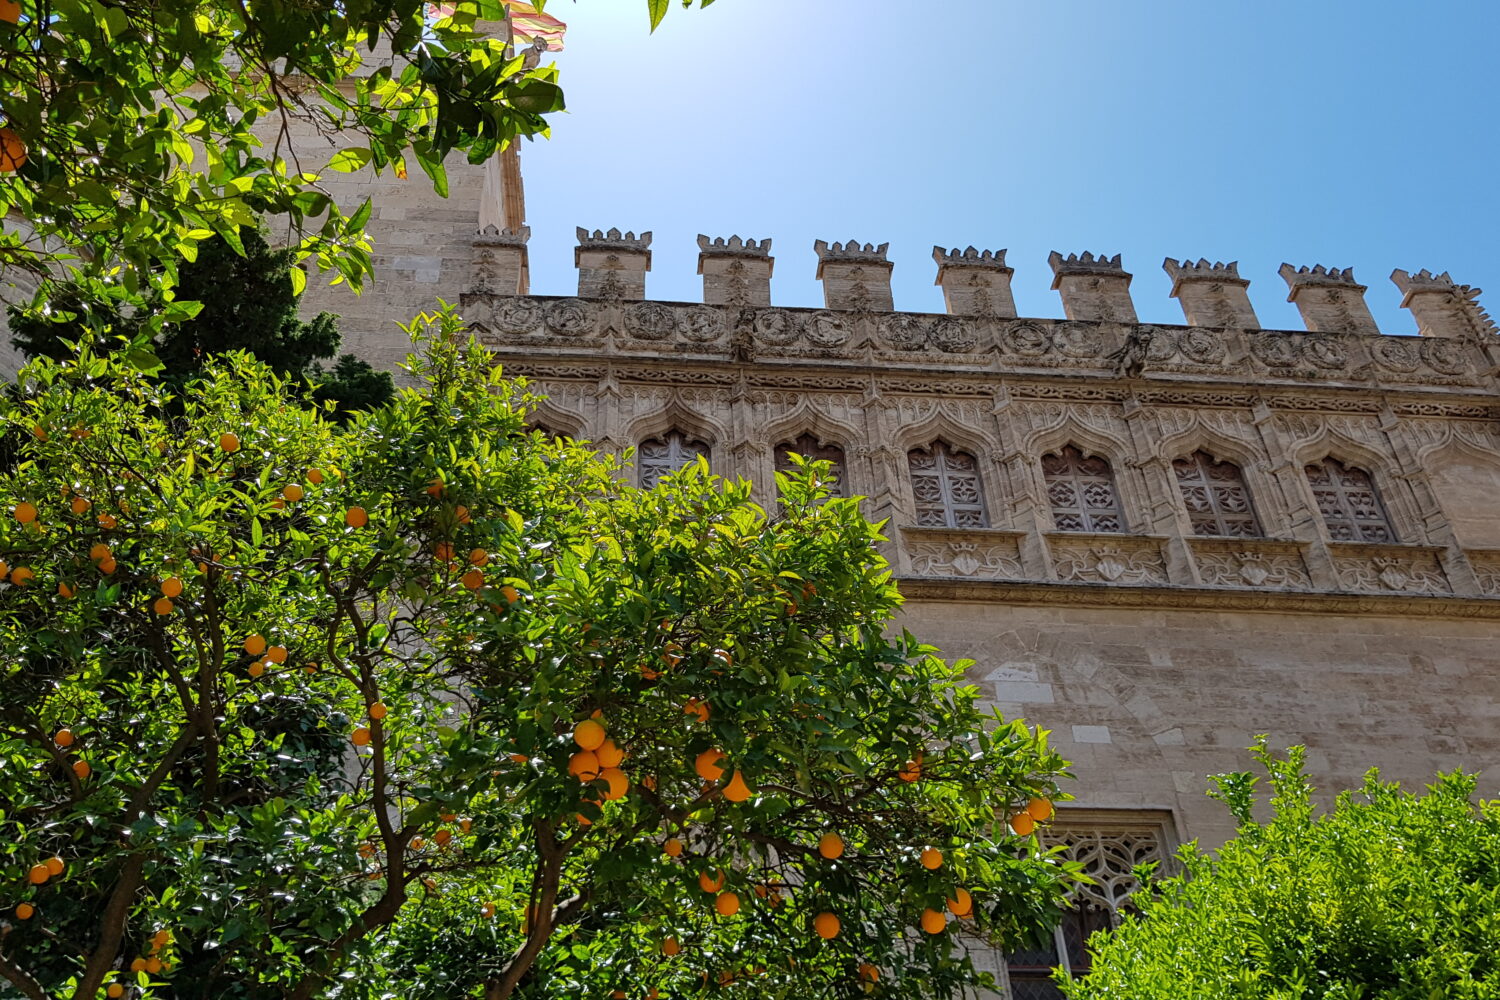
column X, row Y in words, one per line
column 1094, row 288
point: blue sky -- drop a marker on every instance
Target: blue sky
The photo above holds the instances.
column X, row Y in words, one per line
column 1316, row 132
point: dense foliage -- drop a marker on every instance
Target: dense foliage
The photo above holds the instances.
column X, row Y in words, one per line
column 249, row 303
column 434, row 706
column 1390, row 895
column 133, row 131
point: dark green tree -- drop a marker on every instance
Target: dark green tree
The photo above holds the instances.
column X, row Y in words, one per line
column 249, row 303
column 1390, row 895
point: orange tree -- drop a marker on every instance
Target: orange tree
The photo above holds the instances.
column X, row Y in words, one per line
column 431, row 704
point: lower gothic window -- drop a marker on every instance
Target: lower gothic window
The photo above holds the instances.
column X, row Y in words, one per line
column 810, row 447
column 664, row 455
column 1348, row 502
column 946, row 485
column 1082, row 492
column 1215, row 496
column 1109, row 851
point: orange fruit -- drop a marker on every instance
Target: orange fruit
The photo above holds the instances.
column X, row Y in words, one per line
column 82, row 769
column 138, row 965
column 24, row 911
column 465, row 825
column 479, row 557
column 108, row 565
column 314, row 476
column 229, row 443
column 727, row 904
column 619, row 782
column 1040, row 809
column 115, row 991
column 672, row 848
column 291, row 493
column 868, row 972
column 932, row 858
column 21, row 576
column 510, row 594
column 961, row 903
column 378, row 710
column 462, row 513
column 609, row 754
column 1022, row 824
column 161, row 938
column 435, row 488
column 63, row 737
column 171, row 587
column 153, row 965
column 472, row 580
column 442, row 837
column 648, row 674
column 672, row 653
column 276, row 654
column 417, row 843
column 361, row 737
column 99, row 552
column 487, row 910
column 910, row 771
column 737, row 790
column 711, row 883
column 25, row 512
column 519, row 758
column 584, row 765
column 826, row 925
column 670, row 947
column 38, row 431
column 933, row 922
column 589, row 734
column 255, row 645
column 79, row 505
column 108, row 521
column 355, row 517
column 707, row 765
column 162, row 606
column 65, row 590
column 55, row 866
column 696, row 708
column 37, row 874
column 831, row 846
column 257, row 668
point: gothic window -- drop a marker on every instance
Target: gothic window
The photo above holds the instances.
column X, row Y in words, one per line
column 1215, row 496
column 1082, row 492
column 661, row 456
column 1348, row 502
column 809, row 447
column 1109, row 854
column 946, row 484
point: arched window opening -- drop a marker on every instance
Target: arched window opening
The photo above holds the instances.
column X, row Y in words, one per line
column 1216, row 498
column 809, row 447
column 1082, row 492
column 946, row 484
column 662, row 456
column 1348, row 502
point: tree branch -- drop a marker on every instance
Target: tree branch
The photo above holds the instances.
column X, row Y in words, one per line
column 29, row 987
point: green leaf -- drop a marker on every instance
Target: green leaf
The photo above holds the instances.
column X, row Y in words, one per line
column 349, row 160
column 657, row 10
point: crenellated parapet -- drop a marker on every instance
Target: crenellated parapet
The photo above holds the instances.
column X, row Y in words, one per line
column 612, row 265
column 1212, row 294
column 855, row 276
column 735, row 271
column 1441, row 307
column 1329, row 299
column 974, row 282
column 1092, row 288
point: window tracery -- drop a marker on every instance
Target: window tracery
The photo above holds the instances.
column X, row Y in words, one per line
column 1082, row 492
column 1350, row 506
column 1216, row 498
column 809, row 447
column 660, row 456
column 946, row 484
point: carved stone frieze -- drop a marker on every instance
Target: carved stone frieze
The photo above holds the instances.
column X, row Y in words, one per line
column 1378, row 569
column 1084, row 557
column 1250, row 562
column 977, row 554
column 1486, row 564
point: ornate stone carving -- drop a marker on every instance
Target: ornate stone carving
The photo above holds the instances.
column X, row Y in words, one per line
column 827, row 328
column 775, row 327
column 1399, row 355
column 701, row 324
column 1026, row 338
column 1486, row 564
column 1442, row 307
column 903, row 332
column 571, row 318
column 1241, row 562
column 978, row 555
column 1409, row 569
column 1445, row 356
column 1094, row 558
column 516, row 315
column 954, row 336
column 650, row 321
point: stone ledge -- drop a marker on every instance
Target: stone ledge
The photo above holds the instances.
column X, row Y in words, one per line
column 1104, row 595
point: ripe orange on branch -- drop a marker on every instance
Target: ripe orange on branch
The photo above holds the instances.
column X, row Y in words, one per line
column 831, row 846
column 727, row 904
column 24, row 911
column 589, row 734
column 711, row 882
column 1023, row 824
column 961, row 904
column 1039, row 809
column 932, row 858
column 707, row 765
column 609, row 754
column 37, row 874
column 229, row 443
column 826, row 925
column 63, row 737
column 584, row 765
column 737, row 790
column 25, row 512
column 933, row 922
column 355, row 517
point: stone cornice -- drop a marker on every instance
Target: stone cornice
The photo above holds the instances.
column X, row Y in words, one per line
column 1178, row 598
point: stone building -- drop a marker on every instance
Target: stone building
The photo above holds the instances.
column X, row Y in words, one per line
column 1157, row 541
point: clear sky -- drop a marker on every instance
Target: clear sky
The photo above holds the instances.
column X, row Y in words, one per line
column 1361, row 132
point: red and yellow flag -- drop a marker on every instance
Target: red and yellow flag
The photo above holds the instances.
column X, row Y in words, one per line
column 528, row 26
